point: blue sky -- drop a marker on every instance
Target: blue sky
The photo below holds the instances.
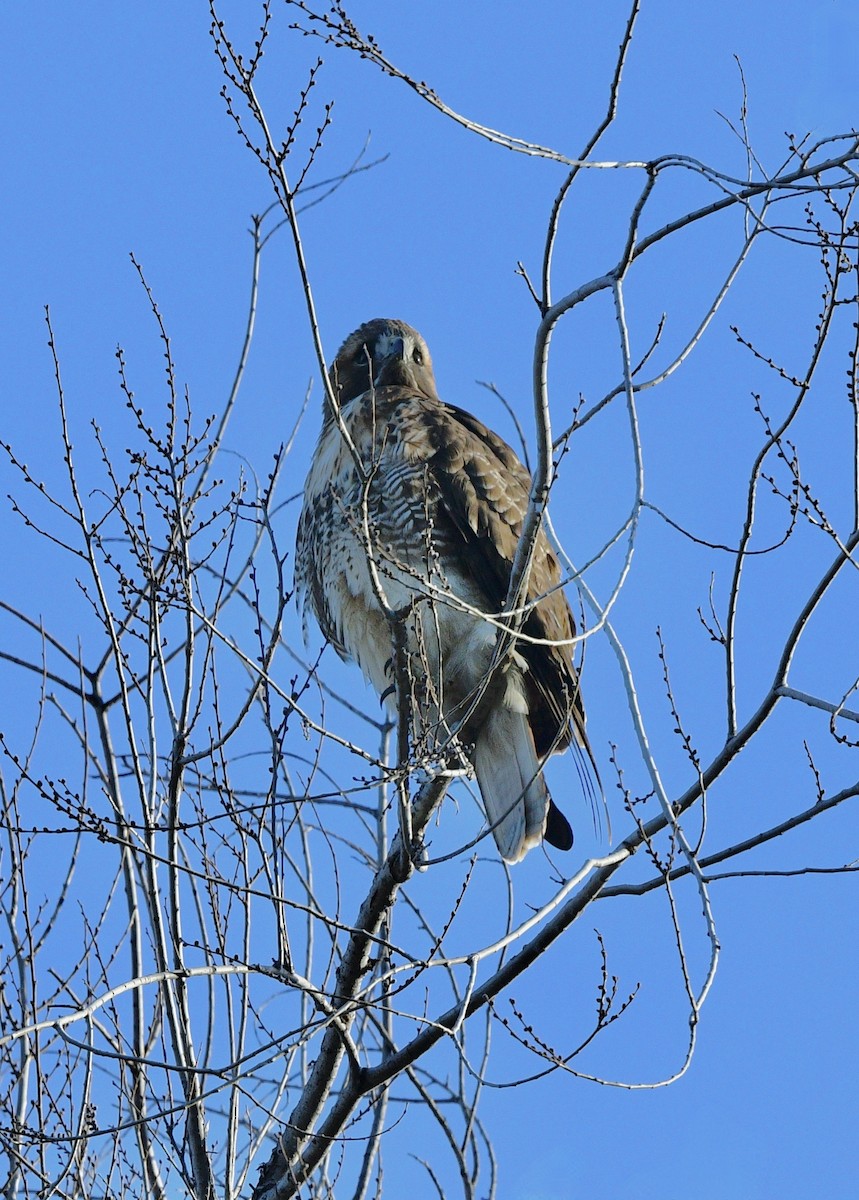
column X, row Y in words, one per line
column 116, row 141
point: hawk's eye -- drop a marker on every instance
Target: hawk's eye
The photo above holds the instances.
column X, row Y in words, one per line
column 417, row 355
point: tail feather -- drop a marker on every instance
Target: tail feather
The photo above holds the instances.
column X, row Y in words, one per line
column 559, row 832
column 515, row 797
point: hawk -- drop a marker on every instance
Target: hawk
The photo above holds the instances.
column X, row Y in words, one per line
column 413, row 505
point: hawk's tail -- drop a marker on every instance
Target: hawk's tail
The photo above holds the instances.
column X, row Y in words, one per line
column 508, row 772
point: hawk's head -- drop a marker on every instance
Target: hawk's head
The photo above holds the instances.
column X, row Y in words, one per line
column 383, row 353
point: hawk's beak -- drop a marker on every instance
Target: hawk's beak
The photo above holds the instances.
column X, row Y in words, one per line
column 396, row 349
column 390, row 369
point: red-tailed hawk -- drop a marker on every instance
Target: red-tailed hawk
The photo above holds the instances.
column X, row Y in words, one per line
column 424, row 509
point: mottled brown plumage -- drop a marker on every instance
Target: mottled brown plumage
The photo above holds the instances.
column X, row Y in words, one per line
column 440, row 499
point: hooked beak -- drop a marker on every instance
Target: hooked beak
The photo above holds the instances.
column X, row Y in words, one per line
column 391, row 368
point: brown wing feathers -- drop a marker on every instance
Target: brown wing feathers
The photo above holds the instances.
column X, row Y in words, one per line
column 483, row 489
